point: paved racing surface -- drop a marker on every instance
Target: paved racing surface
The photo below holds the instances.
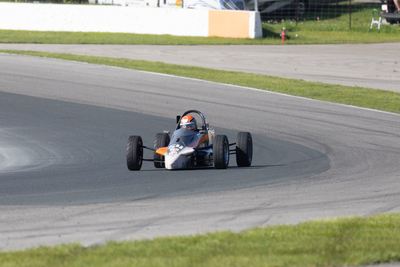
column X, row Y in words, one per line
column 63, row 132
column 374, row 66
column 60, row 153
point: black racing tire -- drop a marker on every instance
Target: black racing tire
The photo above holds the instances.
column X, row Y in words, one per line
column 244, row 149
column 221, row 152
column 134, row 153
column 161, row 140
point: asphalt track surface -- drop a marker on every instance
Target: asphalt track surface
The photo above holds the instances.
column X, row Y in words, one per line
column 64, row 127
column 374, row 66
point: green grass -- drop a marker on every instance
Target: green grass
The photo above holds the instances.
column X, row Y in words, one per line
column 357, row 96
column 271, row 37
column 352, row 241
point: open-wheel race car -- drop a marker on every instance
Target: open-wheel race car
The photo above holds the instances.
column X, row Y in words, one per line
column 190, row 147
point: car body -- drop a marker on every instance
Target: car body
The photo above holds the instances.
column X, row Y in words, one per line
column 189, row 149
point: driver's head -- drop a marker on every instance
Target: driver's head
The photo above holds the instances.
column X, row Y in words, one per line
column 189, row 122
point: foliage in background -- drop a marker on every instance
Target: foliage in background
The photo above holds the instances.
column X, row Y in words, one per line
column 324, row 20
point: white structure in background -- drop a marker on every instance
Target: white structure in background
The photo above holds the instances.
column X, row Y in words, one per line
column 216, row 4
column 193, row 4
column 138, row 3
column 139, row 20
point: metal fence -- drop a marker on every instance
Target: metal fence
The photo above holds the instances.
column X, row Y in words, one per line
column 317, row 10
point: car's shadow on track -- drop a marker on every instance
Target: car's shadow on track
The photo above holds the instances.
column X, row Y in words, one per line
column 212, row 168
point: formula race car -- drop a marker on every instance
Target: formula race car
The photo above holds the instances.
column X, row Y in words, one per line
column 190, row 147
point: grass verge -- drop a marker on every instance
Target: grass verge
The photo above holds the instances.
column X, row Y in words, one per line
column 352, row 241
column 357, row 96
column 271, row 33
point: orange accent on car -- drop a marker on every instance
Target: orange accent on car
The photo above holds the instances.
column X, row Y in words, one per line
column 197, row 142
column 162, row 150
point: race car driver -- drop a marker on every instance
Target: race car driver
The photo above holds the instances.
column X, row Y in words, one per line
column 189, row 122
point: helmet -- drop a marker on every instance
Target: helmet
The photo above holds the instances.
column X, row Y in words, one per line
column 189, row 122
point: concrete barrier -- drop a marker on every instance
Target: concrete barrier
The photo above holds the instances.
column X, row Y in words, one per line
column 140, row 20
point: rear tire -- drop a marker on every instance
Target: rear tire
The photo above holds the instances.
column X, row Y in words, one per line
column 221, row 152
column 134, row 153
column 162, row 140
column 244, row 149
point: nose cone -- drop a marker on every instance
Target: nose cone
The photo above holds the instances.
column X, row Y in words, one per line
column 175, row 161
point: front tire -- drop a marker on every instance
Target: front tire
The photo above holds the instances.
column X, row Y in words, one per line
column 244, row 149
column 134, row 153
column 221, row 152
column 162, row 140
